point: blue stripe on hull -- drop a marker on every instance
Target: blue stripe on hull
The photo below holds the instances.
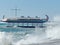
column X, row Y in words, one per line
column 27, row 21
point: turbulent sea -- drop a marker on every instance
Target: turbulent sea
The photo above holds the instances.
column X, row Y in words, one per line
column 50, row 35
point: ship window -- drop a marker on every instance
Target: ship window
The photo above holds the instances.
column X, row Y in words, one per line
column 30, row 24
column 20, row 24
column 25, row 24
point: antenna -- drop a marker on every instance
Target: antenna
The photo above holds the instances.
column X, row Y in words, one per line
column 3, row 16
column 16, row 10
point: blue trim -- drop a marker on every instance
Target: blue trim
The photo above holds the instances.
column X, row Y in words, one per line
column 27, row 21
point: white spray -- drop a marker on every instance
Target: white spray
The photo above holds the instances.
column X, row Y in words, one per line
column 40, row 35
column 52, row 32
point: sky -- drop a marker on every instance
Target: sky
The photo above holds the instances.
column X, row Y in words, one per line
column 30, row 8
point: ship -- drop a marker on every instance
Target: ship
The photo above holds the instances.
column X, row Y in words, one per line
column 26, row 20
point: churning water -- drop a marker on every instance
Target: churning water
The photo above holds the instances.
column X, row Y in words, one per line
column 50, row 35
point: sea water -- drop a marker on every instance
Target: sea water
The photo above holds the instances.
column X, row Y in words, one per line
column 50, row 35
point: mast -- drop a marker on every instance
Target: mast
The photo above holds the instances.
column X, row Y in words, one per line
column 16, row 11
column 3, row 16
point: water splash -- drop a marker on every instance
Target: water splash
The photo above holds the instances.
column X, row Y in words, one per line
column 53, row 31
column 36, row 37
column 40, row 35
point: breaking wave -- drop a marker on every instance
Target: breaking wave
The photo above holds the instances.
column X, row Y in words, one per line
column 37, row 36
